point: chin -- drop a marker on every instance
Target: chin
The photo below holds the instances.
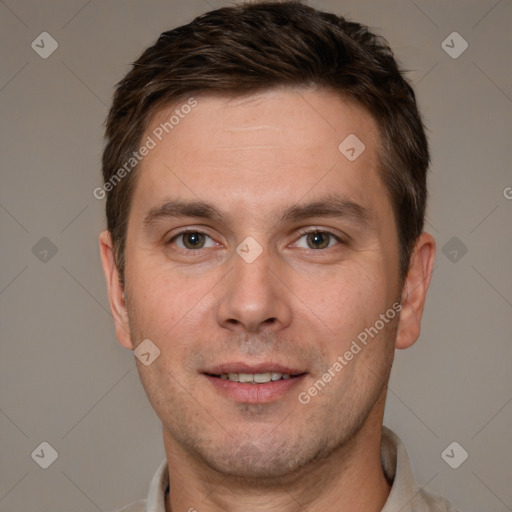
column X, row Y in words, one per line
column 261, row 469
column 268, row 463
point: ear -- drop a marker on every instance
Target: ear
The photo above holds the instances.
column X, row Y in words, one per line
column 115, row 291
column 414, row 291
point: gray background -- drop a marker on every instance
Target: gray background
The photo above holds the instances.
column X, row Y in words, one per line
column 63, row 377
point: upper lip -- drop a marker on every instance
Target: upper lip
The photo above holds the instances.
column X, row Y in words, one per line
column 240, row 367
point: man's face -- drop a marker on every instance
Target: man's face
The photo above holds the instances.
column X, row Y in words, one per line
column 214, row 306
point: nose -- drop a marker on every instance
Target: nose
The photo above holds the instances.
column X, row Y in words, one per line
column 252, row 298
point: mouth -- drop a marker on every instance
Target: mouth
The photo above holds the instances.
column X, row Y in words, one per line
column 254, row 384
column 255, row 378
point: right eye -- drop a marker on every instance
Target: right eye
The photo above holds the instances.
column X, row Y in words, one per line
column 191, row 240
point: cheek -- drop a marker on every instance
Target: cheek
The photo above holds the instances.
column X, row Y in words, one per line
column 350, row 300
column 171, row 312
column 161, row 299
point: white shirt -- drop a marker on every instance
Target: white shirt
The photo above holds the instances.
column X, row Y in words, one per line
column 405, row 495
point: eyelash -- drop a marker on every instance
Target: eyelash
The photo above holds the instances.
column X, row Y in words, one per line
column 302, row 233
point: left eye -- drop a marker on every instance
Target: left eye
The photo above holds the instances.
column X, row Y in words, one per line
column 319, row 240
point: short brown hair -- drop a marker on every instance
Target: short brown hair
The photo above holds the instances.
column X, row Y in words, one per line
column 247, row 48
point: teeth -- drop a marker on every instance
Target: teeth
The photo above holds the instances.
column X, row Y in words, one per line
column 254, row 378
column 262, row 377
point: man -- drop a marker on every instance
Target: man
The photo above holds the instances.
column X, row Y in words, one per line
column 265, row 255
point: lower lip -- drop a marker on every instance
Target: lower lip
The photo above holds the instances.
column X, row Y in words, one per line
column 255, row 393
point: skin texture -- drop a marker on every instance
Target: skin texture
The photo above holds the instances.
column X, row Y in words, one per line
column 294, row 305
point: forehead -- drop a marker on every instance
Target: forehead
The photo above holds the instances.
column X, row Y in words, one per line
column 273, row 146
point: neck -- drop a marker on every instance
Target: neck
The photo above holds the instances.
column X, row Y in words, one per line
column 352, row 479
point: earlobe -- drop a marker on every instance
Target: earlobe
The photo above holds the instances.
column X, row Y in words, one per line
column 115, row 291
column 415, row 291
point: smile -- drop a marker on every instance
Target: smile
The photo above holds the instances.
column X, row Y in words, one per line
column 254, row 378
column 254, row 388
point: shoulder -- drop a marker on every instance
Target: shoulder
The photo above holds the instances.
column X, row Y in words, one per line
column 405, row 495
column 136, row 506
column 427, row 502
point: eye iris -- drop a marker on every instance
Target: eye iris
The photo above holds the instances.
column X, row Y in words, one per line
column 193, row 240
column 318, row 240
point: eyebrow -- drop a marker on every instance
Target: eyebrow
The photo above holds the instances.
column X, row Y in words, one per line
column 330, row 206
column 176, row 208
